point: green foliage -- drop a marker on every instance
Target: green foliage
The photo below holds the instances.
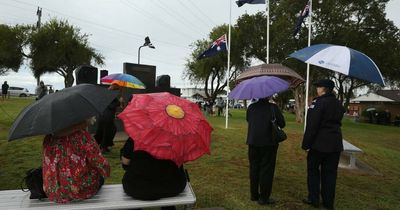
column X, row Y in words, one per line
column 221, row 178
column 58, row 47
column 10, row 49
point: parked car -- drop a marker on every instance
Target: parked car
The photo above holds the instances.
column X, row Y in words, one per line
column 238, row 106
column 19, row 91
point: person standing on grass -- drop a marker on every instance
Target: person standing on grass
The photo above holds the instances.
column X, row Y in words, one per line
column 262, row 149
column 323, row 141
column 4, row 90
column 41, row 90
column 106, row 128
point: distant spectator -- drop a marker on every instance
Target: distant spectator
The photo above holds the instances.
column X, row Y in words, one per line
column 397, row 120
column 41, row 90
column 4, row 90
column 220, row 105
column 51, row 90
column 388, row 117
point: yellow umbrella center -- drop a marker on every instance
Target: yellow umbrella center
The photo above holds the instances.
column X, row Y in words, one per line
column 175, row 111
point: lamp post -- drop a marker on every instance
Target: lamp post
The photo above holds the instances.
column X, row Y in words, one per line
column 147, row 43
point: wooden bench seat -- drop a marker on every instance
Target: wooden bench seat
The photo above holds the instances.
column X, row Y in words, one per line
column 352, row 151
column 109, row 197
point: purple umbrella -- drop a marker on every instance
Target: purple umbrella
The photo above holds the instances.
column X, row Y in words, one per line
column 258, row 87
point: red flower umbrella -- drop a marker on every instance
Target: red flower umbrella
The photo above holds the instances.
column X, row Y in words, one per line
column 167, row 127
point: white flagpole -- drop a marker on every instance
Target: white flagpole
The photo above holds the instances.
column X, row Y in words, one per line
column 267, row 5
column 308, row 65
column 228, row 65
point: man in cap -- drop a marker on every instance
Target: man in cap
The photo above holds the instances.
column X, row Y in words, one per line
column 323, row 141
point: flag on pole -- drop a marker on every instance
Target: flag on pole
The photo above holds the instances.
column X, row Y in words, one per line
column 242, row 2
column 302, row 14
column 217, row 46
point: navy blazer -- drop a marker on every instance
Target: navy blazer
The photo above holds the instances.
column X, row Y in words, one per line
column 324, row 119
column 259, row 118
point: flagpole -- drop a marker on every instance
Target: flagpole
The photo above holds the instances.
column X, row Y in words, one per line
column 228, row 65
column 308, row 66
column 267, row 5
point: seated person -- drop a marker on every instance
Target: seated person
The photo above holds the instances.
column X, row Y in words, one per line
column 148, row 178
column 73, row 166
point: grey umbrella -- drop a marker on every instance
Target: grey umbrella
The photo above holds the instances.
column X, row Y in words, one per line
column 277, row 70
column 60, row 110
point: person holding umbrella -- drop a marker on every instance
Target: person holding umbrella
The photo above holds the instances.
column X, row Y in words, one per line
column 106, row 128
column 165, row 132
column 73, row 166
column 262, row 150
column 323, row 141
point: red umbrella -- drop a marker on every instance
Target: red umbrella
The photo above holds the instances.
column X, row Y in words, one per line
column 167, row 127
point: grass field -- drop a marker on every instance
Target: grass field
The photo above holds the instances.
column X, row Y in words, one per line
column 221, row 179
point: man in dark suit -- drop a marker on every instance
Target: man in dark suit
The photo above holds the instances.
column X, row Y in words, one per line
column 262, row 149
column 323, row 140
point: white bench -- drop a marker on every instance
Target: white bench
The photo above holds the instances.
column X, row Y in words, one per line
column 109, row 197
column 352, row 151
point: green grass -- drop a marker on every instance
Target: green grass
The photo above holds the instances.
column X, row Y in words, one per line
column 221, row 179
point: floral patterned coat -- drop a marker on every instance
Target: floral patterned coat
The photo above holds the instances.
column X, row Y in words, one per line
column 72, row 167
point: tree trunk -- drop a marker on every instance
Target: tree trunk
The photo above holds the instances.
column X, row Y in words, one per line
column 299, row 98
column 69, row 79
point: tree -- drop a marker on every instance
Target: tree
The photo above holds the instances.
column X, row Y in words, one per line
column 211, row 72
column 357, row 24
column 58, row 47
column 11, row 46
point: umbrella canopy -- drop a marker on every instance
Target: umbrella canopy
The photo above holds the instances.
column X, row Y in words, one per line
column 167, row 127
column 60, row 110
column 275, row 69
column 123, row 80
column 341, row 59
column 258, row 87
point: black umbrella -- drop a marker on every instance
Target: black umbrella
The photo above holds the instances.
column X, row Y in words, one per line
column 60, row 110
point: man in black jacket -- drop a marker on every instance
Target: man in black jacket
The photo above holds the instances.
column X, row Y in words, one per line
column 262, row 150
column 323, row 140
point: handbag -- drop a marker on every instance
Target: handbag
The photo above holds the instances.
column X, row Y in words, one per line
column 278, row 135
column 34, row 182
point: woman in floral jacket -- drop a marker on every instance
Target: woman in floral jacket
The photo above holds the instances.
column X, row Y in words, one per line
column 73, row 166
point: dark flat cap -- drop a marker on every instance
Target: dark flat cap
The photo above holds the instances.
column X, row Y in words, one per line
column 325, row 83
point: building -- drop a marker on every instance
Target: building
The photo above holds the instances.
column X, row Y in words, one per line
column 194, row 94
column 382, row 100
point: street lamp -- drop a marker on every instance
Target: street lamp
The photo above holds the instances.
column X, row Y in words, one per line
column 147, row 43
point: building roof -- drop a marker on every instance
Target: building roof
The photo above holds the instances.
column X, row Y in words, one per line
column 371, row 97
column 391, row 94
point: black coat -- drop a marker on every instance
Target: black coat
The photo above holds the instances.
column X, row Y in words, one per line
column 324, row 119
column 147, row 178
column 259, row 117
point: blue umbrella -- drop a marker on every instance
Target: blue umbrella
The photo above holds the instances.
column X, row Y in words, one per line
column 341, row 59
column 258, row 87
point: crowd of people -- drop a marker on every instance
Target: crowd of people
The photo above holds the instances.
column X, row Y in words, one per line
column 74, row 166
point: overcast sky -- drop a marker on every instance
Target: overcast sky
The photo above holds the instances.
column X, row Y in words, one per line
column 117, row 28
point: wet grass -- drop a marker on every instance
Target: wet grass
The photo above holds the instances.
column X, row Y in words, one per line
column 221, row 179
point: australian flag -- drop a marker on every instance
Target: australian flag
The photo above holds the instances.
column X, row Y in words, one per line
column 303, row 14
column 217, row 46
column 241, row 2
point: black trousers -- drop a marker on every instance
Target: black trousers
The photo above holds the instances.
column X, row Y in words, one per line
column 262, row 168
column 321, row 176
column 105, row 133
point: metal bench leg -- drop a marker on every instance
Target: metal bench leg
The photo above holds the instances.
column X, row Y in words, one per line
column 352, row 160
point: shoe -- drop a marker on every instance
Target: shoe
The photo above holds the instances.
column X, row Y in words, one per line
column 327, row 207
column 254, row 198
column 268, row 201
column 314, row 204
